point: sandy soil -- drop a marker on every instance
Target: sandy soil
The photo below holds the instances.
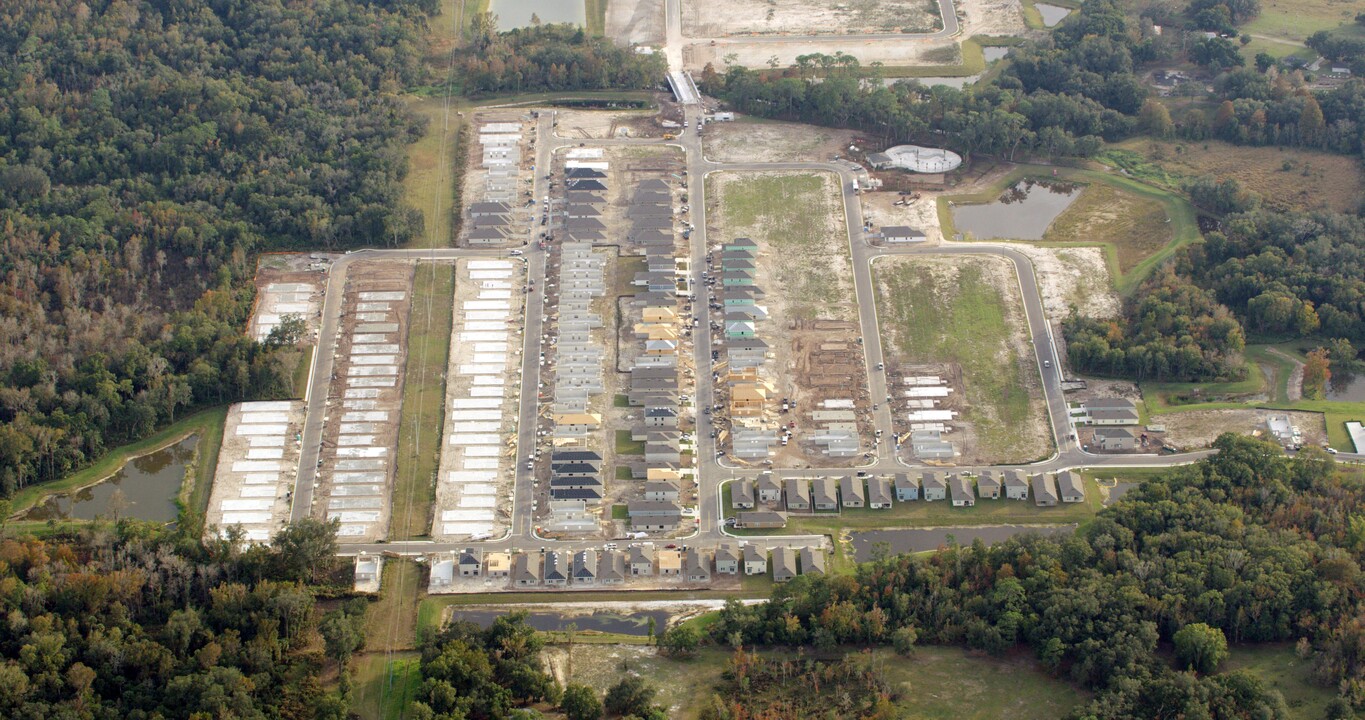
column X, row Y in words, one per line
column 1070, row 276
column 893, row 53
column 589, row 124
column 751, row 140
column 922, row 213
column 636, row 22
column 1198, row 428
column 808, row 17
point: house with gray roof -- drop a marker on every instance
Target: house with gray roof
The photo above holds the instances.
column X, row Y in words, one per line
column 784, row 564
column 525, row 570
column 696, row 565
column 851, row 492
column 1114, row 439
column 742, row 494
column 1044, row 490
column 769, row 491
column 727, row 559
column 988, row 485
column 1070, row 487
column 556, row 568
column 584, row 569
column 611, row 567
column 906, row 487
column 661, row 491
column 961, row 488
column 933, row 486
column 758, row 519
column 755, row 559
column 470, row 562
column 1016, row 486
column 798, row 494
column 812, row 561
column 641, row 560
column 878, row 492
column 824, row 494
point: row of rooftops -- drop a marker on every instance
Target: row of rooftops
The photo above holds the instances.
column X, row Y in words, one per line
column 610, row 566
column 877, row 492
column 735, row 274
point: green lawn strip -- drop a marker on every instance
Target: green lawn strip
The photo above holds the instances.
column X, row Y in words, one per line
column 626, row 446
column 194, row 493
column 385, row 685
column 1277, row 50
column 208, row 423
column 620, row 512
column 419, row 429
column 1185, row 225
column 962, row 323
column 301, row 372
column 1278, row 667
column 626, row 268
column 436, row 168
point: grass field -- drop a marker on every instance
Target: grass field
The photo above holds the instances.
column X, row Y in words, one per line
column 597, row 17
column 1313, row 179
column 973, row 60
column 419, row 429
column 385, row 685
column 958, row 310
column 301, row 368
column 937, row 682
column 1297, row 19
column 386, row 669
column 626, row 446
column 1184, row 226
column 1279, row 668
column 1276, row 49
column 430, row 185
column 207, row 423
column 800, row 221
column 1135, row 225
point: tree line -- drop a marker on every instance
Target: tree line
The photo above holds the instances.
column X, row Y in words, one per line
column 148, row 152
column 551, row 57
column 136, row 621
column 1248, row 546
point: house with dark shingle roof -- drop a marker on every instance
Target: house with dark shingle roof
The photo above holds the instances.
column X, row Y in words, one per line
column 988, row 485
column 851, row 492
column 906, row 486
column 1044, row 490
column 1016, row 486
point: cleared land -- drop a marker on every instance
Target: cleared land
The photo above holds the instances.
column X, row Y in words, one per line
column 432, row 171
column 755, row 140
column 1279, row 668
column 809, row 265
column 386, row 669
column 1136, row 226
column 1297, row 19
column 419, row 430
column 808, row 17
column 937, row 682
column 1285, row 177
column 967, row 312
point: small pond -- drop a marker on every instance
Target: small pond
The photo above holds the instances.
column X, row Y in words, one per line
column 635, row 623
column 1023, row 213
column 1346, row 387
column 1117, row 492
column 149, row 485
column 994, row 53
column 926, row 539
column 1052, row 14
column 514, row 14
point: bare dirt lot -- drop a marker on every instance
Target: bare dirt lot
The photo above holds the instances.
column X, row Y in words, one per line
column 893, row 53
column 808, row 17
column 636, row 22
column 753, row 140
column 590, row 124
column 1198, row 428
column 879, row 209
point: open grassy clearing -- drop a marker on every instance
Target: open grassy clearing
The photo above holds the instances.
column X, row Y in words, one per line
column 419, row 429
column 1184, row 226
column 1277, row 49
column 208, row 424
column 800, row 222
column 1297, row 19
column 386, row 668
column 433, row 173
column 1278, row 667
column 937, row 682
column 385, row 686
column 1311, row 181
column 597, row 17
column 938, row 310
column 302, row 366
column 1136, row 226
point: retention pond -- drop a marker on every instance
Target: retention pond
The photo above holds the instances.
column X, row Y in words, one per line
column 145, row 488
column 1024, row 212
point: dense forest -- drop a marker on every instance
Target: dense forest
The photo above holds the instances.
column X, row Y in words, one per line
column 547, row 58
column 148, row 152
column 132, row 621
column 1248, row 546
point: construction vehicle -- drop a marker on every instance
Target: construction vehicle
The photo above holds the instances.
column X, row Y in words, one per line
column 670, row 136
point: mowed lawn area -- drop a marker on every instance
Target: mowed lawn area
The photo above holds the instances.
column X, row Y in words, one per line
column 424, row 392
column 799, row 220
column 967, row 311
column 1297, row 19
